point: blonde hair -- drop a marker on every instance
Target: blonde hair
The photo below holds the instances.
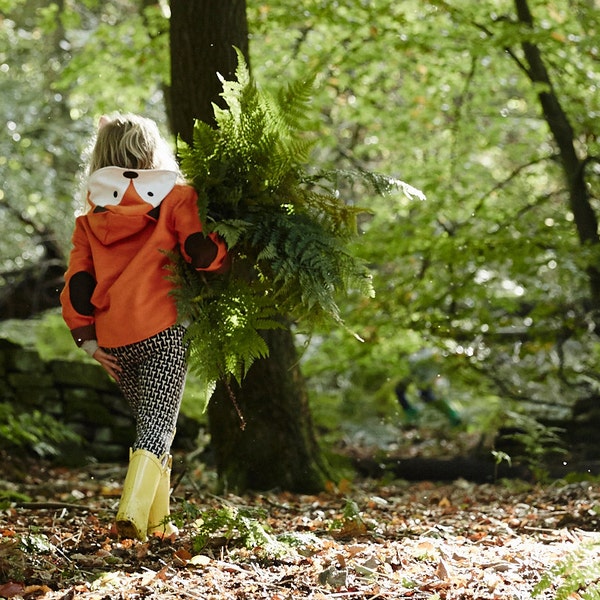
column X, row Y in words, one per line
column 131, row 142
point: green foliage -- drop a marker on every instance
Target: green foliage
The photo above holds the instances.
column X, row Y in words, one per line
column 240, row 527
column 578, row 575
column 54, row 340
column 33, row 431
column 46, row 333
column 535, row 440
column 9, row 496
column 285, row 224
column 230, row 522
column 41, row 144
column 351, row 519
column 489, row 269
column 12, row 560
column 139, row 38
column 7, row 5
column 62, row 65
column 500, row 457
column 224, row 319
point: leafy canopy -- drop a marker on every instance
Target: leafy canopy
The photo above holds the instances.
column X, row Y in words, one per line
column 489, row 269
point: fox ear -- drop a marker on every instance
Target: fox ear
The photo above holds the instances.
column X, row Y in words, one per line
column 104, row 120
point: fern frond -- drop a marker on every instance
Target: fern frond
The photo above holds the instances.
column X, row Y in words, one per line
column 293, row 101
column 232, row 230
column 576, row 575
column 286, row 225
column 377, row 183
column 225, row 320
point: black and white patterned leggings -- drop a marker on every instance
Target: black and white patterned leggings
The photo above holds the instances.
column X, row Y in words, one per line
column 152, row 380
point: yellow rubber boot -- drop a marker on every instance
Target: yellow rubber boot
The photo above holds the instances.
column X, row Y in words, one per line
column 141, row 482
column 160, row 510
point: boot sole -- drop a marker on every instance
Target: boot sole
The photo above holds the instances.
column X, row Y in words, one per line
column 127, row 530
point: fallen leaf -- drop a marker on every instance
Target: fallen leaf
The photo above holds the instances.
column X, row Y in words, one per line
column 147, row 577
column 333, row 577
column 200, row 560
column 443, row 570
column 10, row 589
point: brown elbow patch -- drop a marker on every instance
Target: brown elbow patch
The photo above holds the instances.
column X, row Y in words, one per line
column 201, row 250
column 81, row 288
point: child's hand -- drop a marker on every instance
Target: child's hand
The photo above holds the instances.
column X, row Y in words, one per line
column 109, row 363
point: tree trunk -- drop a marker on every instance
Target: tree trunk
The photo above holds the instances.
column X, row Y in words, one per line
column 203, row 36
column 277, row 447
column 274, row 446
column 564, row 136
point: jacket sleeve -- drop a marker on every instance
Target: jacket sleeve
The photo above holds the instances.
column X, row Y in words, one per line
column 204, row 252
column 80, row 282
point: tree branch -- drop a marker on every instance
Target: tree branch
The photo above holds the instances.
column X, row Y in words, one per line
column 585, row 218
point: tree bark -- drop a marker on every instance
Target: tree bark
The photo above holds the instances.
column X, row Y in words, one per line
column 203, row 36
column 564, row 136
column 277, row 447
column 274, row 446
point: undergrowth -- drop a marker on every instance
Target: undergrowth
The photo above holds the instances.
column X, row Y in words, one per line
column 239, row 527
column 33, row 431
column 576, row 576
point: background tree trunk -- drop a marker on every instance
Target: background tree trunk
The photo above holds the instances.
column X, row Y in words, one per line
column 277, row 447
column 203, row 36
column 564, row 136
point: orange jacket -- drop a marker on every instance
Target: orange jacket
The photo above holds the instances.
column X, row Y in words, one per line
column 116, row 287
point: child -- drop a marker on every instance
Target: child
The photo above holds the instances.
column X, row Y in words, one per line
column 424, row 375
column 117, row 303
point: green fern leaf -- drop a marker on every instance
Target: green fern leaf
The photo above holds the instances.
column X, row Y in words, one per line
column 286, row 225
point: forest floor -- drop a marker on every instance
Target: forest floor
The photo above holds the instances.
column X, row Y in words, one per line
column 363, row 539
